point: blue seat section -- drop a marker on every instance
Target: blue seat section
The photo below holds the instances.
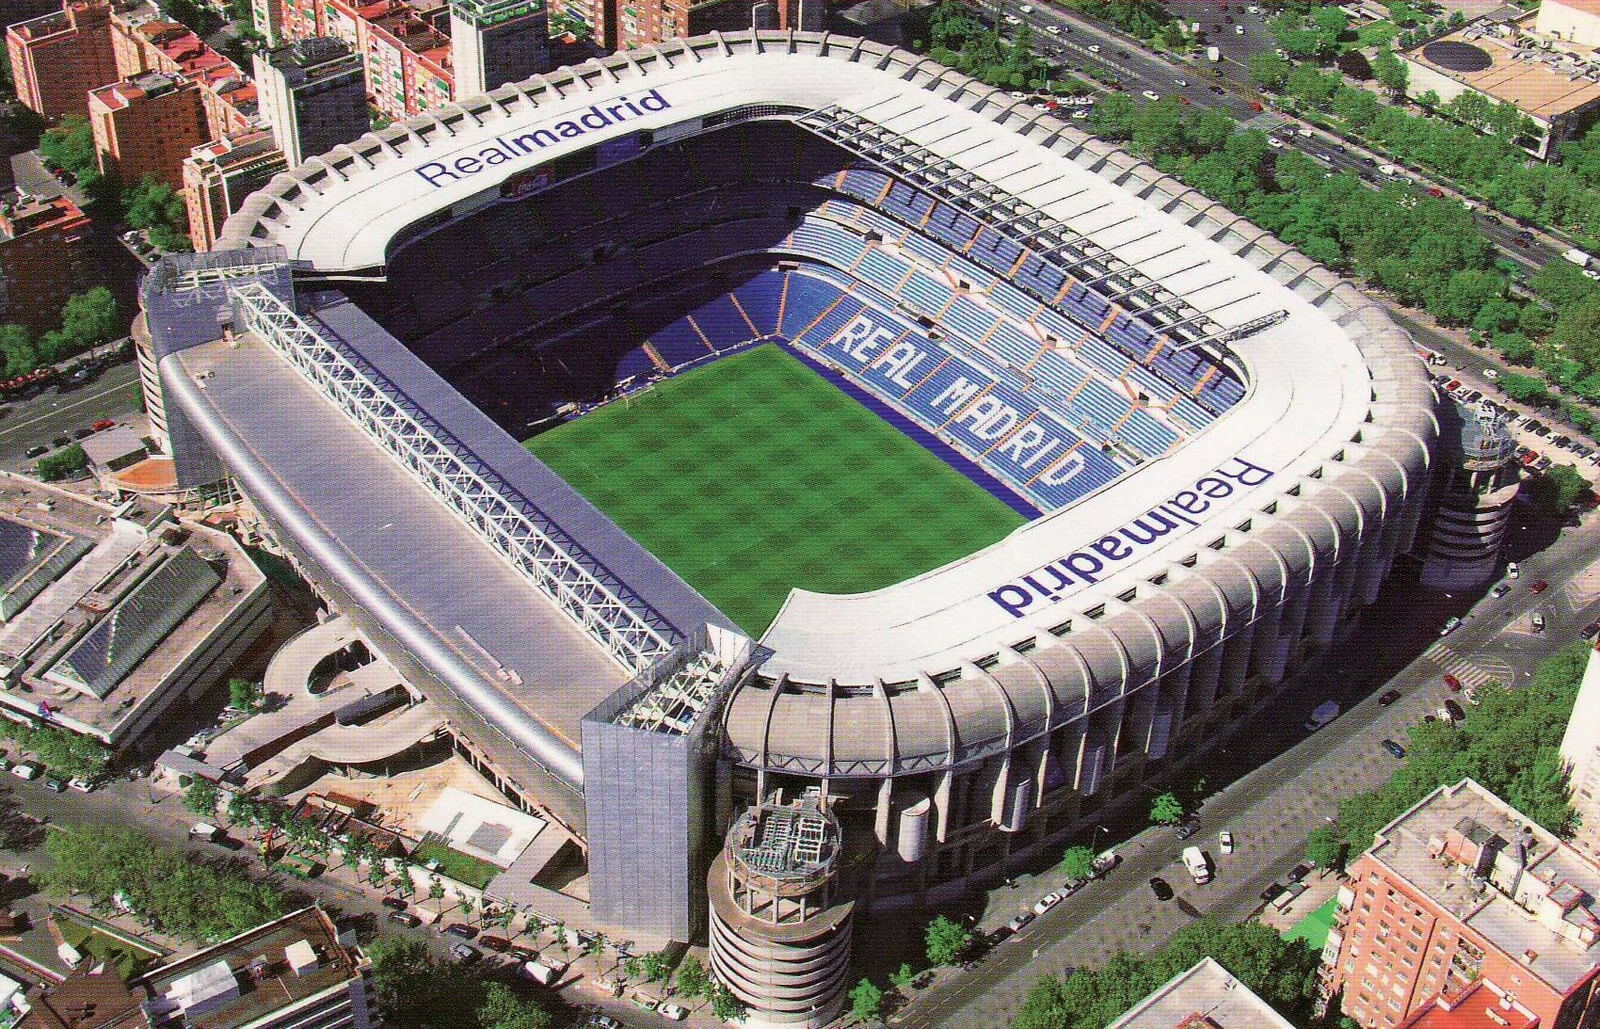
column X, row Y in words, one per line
column 966, row 319
column 996, row 250
column 678, row 343
column 1147, row 434
column 925, row 293
column 1056, row 371
column 967, row 400
column 722, row 324
column 635, row 363
column 760, row 298
column 1101, row 405
column 882, row 269
column 808, row 298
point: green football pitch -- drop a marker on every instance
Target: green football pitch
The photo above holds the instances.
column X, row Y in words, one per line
column 753, row 475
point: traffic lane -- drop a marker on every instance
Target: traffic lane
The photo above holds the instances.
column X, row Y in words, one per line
column 114, row 395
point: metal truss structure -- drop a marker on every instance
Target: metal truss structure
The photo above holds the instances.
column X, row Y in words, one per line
column 589, row 594
column 1071, row 251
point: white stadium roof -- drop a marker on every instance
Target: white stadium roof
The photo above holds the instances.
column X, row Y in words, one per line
column 1327, row 368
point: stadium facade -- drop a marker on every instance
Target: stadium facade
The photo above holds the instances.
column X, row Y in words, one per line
column 1225, row 445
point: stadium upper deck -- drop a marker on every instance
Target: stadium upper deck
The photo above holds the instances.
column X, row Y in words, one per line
column 1314, row 397
column 1126, row 626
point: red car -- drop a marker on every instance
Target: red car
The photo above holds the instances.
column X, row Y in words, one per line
column 1436, row 192
column 102, row 425
column 1452, row 682
column 1539, row 587
column 1255, row 105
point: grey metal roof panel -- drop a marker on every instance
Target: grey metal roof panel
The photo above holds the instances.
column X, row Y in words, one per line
column 653, row 582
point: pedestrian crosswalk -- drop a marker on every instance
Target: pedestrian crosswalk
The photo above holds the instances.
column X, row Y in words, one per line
column 1470, row 672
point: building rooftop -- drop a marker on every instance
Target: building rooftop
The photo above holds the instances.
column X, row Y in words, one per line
column 93, row 1000
column 317, row 55
column 231, row 152
column 252, row 975
column 1511, row 882
column 1541, row 77
column 119, row 95
column 21, row 214
column 786, row 840
column 1207, row 996
column 1483, row 1005
column 102, row 620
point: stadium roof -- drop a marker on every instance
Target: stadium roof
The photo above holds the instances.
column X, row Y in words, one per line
column 1331, row 381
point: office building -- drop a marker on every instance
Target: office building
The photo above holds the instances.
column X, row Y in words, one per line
column 217, row 176
column 57, row 59
column 111, row 615
column 43, row 258
column 147, row 126
column 493, row 42
column 294, row 972
column 1206, row 996
column 313, row 95
column 1580, row 750
column 404, row 49
column 268, row 17
column 1575, row 21
column 145, row 44
column 1544, row 64
column 1461, row 892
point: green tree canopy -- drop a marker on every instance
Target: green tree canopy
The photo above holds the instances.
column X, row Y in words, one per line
column 1166, row 809
column 866, row 1001
column 1077, row 862
column 1269, row 71
column 946, row 940
column 1323, row 848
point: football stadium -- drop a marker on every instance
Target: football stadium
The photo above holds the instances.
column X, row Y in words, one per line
column 783, row 439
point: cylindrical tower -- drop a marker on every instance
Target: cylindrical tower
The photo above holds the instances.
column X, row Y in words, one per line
column 1475, row 492
column 780, row 929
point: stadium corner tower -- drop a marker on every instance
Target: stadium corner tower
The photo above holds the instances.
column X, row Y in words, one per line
column 1215, row 450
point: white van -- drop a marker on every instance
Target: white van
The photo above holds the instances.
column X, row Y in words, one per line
column 1194, row 859
column 205, row 832
column 545, row 975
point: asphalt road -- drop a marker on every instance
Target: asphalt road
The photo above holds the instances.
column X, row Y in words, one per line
column 1289, row 783
column 1139, row 70
column 114, row 394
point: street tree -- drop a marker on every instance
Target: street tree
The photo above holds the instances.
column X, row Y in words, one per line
column 902, row 977
column 724, row 1005
column 1323, row 848
column 946, row 941
column 1077, row 862
column 866, row 1001
column 1166, row 809
column 692, row 979
column 201, row 797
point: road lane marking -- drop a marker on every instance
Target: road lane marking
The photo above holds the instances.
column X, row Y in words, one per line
column 54, row 411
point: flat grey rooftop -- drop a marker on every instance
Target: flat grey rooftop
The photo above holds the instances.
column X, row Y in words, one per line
column 396, row 531
column 1210, row 990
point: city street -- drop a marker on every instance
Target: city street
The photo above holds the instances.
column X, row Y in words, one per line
column 1273, row 807
column 1139, row 69
column 114, row 394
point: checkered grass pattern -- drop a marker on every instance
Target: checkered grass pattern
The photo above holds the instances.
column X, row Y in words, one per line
column 753, row 475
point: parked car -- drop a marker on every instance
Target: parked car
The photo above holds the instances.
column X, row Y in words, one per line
column 1046, row 902
column 1298, row 872
column 1395, row 750
column 394, row 903
column 1500, row 590
column 1538, row 622
column 404, row 918
column 461, row 930
column 38, row 451
column 61, row 441
column 498, row 944
column 103, row 424
column 1151, row 95
column 1538, row 587
column 82, row 433
column 1225, row 841
column 1591, row 630
column 1388, row 697
column 1450, row 626
column 1452, row 683
column 1188, row 829
column 466, row 953
column 1271, row 891
column 55, row 785
column 1016, row 924
column 1161, row 888
column 673, row 1012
